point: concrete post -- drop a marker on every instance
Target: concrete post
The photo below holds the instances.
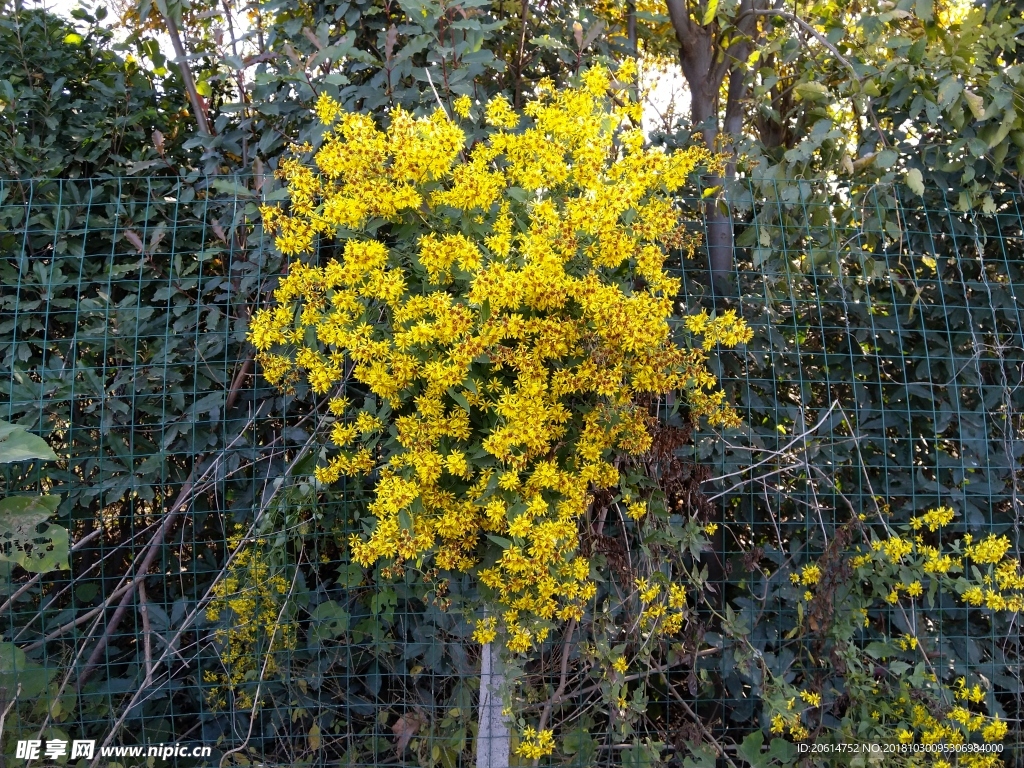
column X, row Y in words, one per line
column 492, row 743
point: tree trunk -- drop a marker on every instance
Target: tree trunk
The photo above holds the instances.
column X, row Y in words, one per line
column 705, row 66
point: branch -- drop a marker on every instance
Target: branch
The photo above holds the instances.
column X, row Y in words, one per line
column 209, row 594
column 566, row 650
column 813, row 33
column 679, row 14
column 146, row 635
column 141, row 572
column 525, row 10
column 699, row 723
column 198, row 108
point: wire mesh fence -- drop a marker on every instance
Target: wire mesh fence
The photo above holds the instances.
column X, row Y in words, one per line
column 210, row 600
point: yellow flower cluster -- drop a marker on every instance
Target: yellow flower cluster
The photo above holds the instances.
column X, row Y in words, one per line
column 790, row 720
column 933, row 519
column 251, row 595
column 535, row 744
column 991, row 550
column 727, row 329
column 663, row 611
column 504, row 313
column 983, row 573
column 1001, row 587
column 808, row 577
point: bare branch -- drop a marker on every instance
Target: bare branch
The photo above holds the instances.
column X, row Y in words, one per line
column 198, row 106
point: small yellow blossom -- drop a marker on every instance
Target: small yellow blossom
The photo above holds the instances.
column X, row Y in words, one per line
column 814, row 699
column 534, row 744
column 462, row 105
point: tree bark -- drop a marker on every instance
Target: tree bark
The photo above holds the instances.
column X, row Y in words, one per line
column 705, row 66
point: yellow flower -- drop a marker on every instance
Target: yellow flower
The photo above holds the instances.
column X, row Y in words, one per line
column 814, row 699
column 994, row 731
column 989, row 550
column 810, row 575
column 462, row 105
column 933, row 519
column 636, row 510
column 500, row 114
column 619, row 665
column 485, row 631
column 534, row 744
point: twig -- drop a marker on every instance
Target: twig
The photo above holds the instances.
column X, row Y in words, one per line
column 147, row 647
column 263, row 671
column 811, row 31
column 78, row 621
column 628, row 678
column 200, row 604
column 775, row 454
column 179, row 504
column 7, row 709
column 566, row 650
column 831, row 49
column 198, row 108
column 236, row 384
column 436, row 96
column 700, row 724
column 67, row 678
column 525, row 10
column 141, row 572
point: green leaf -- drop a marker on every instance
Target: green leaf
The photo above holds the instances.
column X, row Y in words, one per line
column 709, row 14
column 976, row 103
column 500, row 541
column 886, row 158
column 37, row 551
column 16, row 669
column 581, row 744
column 328, row 621
column 703, row 756
column 750, row 750
column 351, row 575
column 17, row 444
column 459, row 398
column 949, row 90
column 915, row 181
column 405, row 520
column 783, row 751
column 811, row 91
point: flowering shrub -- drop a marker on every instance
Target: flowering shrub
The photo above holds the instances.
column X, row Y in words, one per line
column 491, row 340
column 493, row 336
column 508, row 330
column 899, row 688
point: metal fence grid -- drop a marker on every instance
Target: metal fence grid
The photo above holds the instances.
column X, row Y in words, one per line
column 122, row 323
